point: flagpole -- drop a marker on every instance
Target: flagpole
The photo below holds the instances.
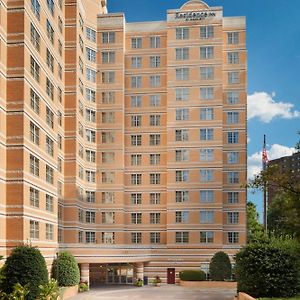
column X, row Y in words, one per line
column 264, row 163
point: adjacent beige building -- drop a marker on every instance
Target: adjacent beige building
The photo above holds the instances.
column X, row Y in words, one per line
column 123, row 143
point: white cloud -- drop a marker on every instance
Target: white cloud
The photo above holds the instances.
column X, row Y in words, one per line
column 263, row 106
column 275, row 151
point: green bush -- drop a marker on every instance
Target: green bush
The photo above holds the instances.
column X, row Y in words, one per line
column 220, row 267
column 83, row 287
column 27, row 267
column 268, row 269
column 192, row 275
column 65, row 270
column 49, row 291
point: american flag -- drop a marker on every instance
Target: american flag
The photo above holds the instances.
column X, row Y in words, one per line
column 265, row 159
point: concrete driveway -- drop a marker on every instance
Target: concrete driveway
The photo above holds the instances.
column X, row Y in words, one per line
column 164, row 292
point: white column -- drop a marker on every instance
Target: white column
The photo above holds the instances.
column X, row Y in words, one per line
column 139, row 270
column 85, row 272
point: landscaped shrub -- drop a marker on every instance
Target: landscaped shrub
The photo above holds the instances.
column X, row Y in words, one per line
column 27, row 267
column 220, row 267
column 192, row 275
column 268, row 269
column 65, row 269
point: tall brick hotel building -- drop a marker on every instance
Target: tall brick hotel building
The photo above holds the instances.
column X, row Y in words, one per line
column 123, row 143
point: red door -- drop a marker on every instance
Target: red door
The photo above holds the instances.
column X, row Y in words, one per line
column 171, row 275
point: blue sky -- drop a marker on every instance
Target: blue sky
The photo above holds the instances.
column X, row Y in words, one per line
column 273, row 43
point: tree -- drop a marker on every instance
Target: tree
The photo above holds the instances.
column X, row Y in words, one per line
column 297, row 146
column 220, row 267
column 255, row 229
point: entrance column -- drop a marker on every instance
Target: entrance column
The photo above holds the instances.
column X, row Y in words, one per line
column 85, row 272
column 139, row 271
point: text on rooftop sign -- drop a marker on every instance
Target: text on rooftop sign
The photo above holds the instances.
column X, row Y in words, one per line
column 194, row 15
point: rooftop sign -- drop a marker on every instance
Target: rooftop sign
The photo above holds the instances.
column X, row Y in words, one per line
column 194, row 15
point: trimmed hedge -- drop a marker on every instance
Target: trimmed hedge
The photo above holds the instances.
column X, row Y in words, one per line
column 26, row 266
column 65, row 270
column 220, row 267
column 192, row 275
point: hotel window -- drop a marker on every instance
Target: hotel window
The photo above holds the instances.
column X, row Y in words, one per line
column 136, row 62
column 207, row 52
column 80, row 65
column 80, row 215
column 108, row 237
column 49, row 117
column 80, row 150
column 155, row 178
column 154, row 41
column 80, row 129
column 136, row 101
column 60, row 25
column 81, row 43
column 108, row 177
column 182, row 33
column 181, row 175
column 49, row 89
column 234, row 77
column 90, row 115
column 136, row 198
column 90, row 135
column 182, row 114
column 49, row 146
column 207, row 196
column 34, row 165
column 136, row 81
column 233, row 157
column 108, row 77
column 59, row 141
column 232, row 137
column 206, row 237
column 34, row 197
column 91, row 34
column 90, row 54
column 181, row 237
column 34, row 229
column 50, row 31
column 182, row 53
column 50, row 4
column 232, row 217
column 108, row 137
column 34, row 101
column 36, row 8
column 136, row 179
column 206, row 134
column 232, row 117
column 206, row 175
column 207, row 93
column 206, row 73
column 108, row 37
column 91, row 75
column 34, row 134
column 155, row 237
column 49, row 174
column 154, row 218
column 136, row 42
column 90, row 95
column 90, row 196
column 182, row 155
column 59, row 71
column 182, row 94
column 233, row 57
column 155, row 100
column 136, row 237
column 136, row 120
column 232, row 38
column 181, row 196
column 90, row 176
column 34, row 69
column 233, row 177
column 80, row 172
column 155, row 81
column 154, row 61
column 35, row 37
column 181, row 135
column 90, row 156
column 49, row 203
column 233, row 237
column 108, row 117
column 233, row 197
column 206, row 114
column 182, row 74
column 59, row 47
column 154, row 120
column 108, row 57
column 59, row 188
column 154, row 159
column 90, row 237
column 136, row 140
column 49, row 231
column 233, row 97
column 80, row 236
column 90, row 216
column 136, row 159
column 206, row 154
column 136, row 218
column 206, row 32
column 108, row 97
column 108, row 197
column 154, row 198
column 154, row 139
column 207, row 217
column 59, row 94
